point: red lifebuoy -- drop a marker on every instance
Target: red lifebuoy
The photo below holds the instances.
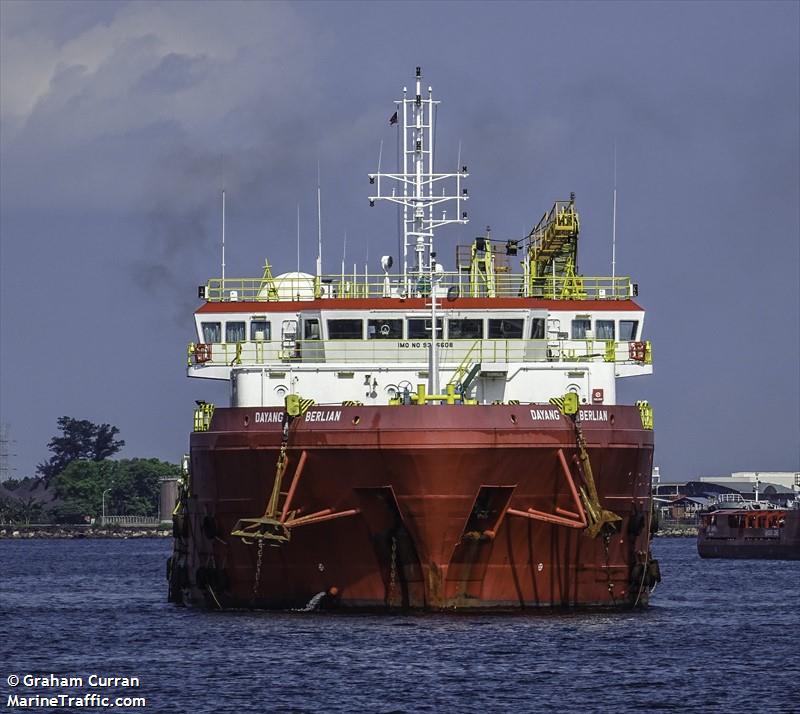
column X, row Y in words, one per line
column 637, row 351
column 202, row 353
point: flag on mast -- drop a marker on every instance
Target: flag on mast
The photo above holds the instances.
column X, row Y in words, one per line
column 393, row 119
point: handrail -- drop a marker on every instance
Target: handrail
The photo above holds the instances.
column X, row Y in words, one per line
column 466, row 363
column 131, row 520
column 453, row 353
column 350, row 286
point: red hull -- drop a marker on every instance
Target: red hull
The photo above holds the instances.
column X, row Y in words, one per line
column 421, row 507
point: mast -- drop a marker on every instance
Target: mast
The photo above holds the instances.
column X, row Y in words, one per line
column 433, row 363
column 319, row 228
column 614, row 229
column 415, row 179
column 223, row 241
column 298, row 239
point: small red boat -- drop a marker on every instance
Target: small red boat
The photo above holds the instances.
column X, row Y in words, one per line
column 772, row 534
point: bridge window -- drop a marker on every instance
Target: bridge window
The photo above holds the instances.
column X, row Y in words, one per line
column 385, row 329
column 311, row 330
column 212, row 332
column 234, row 332
column 579, row 329
column 420, row 328
column 345, row 329
column 467, row 329
column 537, row 328
column 260, row 331
column 505, row 329
column 604, row 329
column 627, row 330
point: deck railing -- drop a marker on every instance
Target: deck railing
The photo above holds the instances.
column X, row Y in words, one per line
column 352, row 286
column 129, row 521
column 415, row 352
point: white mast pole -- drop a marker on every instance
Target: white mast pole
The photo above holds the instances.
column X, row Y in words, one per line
column 614, row 229
column 433, row 367
column 380, row 158
column 298, row 238
column 458, row 182
column 222, row 284
column 418, row 166
column 430, row 166
column 344, row 255
column 433, row 377
column 405, row 192
column 319, row 229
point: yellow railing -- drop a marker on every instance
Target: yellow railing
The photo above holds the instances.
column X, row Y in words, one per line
column 646, row 412
column 354, row 285
column 202, row 416
column 453, row 354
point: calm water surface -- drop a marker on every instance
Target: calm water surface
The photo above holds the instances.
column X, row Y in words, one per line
column 721, row 636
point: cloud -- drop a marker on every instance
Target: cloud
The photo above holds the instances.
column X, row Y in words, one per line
column 147, row 70
column 174, row 73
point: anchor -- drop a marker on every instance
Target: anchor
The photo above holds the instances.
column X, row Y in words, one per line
column 267, row 527
column 271, row 527
column 274, row 527
column 598, row 519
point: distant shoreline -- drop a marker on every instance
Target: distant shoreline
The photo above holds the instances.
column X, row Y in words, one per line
column 687, row 532
column 57, row 532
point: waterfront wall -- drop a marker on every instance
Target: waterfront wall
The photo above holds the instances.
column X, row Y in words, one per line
column 46, row 530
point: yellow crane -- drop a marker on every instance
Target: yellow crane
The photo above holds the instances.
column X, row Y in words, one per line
column 552, row 257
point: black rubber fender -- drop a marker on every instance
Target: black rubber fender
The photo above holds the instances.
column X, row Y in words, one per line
column 200, row 577
column 209, row 527
column 636, row 523
column 654, row 522
column 180, row 526
column 637, row 573
column 653, row 573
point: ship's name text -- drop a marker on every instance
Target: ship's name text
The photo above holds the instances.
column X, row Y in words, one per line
column 555, row 415
column 317, row 415
column 587, row 415
column 269, row 417
column 545, row 414
column 330, row 415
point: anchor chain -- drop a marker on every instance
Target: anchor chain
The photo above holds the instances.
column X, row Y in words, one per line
column 258, row 569
column 271, row 526
column 599, row 519
column 392, row 572
column 606, row 541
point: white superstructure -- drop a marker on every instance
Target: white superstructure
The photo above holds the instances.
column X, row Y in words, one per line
column 500, row 334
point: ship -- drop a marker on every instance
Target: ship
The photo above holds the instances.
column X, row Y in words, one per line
column 420, row 438
column 752, row 531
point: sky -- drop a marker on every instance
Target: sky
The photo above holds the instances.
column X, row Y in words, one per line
column 120, row 123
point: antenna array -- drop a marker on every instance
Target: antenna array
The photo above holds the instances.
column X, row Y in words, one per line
column 413, row 186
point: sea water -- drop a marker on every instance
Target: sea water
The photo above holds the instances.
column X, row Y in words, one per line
column 720, row 635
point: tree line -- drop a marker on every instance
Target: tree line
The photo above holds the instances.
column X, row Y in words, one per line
column 69, row 485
